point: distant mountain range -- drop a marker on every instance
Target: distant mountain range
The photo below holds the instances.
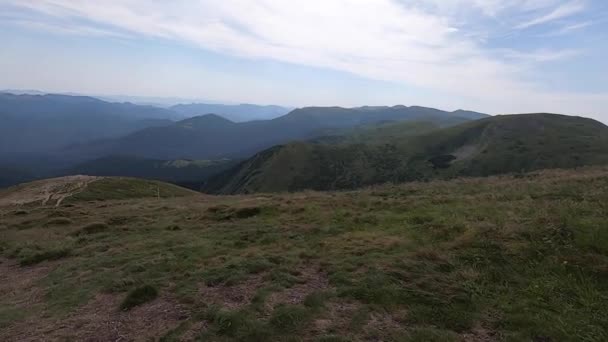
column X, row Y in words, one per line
column 10, row 176
column 211, row 136
column 35, row 124
column 236, row 113
column 320, row 148
column 185, row 107
column 495, row 145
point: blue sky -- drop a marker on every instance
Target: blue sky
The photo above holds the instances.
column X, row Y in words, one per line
column 495, row 56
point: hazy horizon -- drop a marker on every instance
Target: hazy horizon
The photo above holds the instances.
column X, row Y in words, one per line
column 167, row 102
column 490, row 56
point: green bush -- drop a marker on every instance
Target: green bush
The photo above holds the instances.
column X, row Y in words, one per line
column 59, row 221
column 139, row 296
column 247, row 212
column 49, row 255
column 20, row 212
column 223, row 212
column 92, row 228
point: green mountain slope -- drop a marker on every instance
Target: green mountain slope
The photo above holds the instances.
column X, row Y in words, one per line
column 513, row 143
column 212, row 137
column 384, row 132
column 180, row 171
column 502, row 144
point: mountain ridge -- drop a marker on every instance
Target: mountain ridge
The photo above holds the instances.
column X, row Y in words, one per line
column 237, row 113
column 225, row 139
column 41, row 123
column 495, row 145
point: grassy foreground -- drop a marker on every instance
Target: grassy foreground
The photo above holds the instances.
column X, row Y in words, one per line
column 499, row 259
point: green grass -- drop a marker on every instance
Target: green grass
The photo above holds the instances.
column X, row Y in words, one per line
column 92, row 228
column 59, row 221
column 45, row 255
column 316, row 300
column 290, row 318
column 518, row 258
column 128, row 188
column 8, row 314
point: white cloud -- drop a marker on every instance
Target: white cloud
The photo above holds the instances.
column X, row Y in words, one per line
column 491, row 8
column 424, row 43
column 379, row 39
column 570, row 28
column 61, row 28
column 562, row 11
column 543, row 55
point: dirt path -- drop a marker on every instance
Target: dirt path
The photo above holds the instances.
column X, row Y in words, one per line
column 48, row 192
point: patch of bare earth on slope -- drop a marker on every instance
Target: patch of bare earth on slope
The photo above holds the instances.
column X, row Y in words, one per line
column 234, row 296
column 241, row 294
column 18, row 284
column 46, row 192
column 465, row 152
column 311, row 280
column 101, row 320
column 481, row 334
column 20, row 293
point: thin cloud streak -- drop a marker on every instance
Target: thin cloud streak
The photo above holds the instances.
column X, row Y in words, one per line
column 569, row 29
column 563, row 11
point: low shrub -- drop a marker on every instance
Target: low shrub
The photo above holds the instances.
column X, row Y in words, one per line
column 48, row 255
column 174, row 227
column 139, row 296
column 92, row 228
column 59, row 221
column 247, row 212
column 20, row 212
column 223, row 212
column 57, row 213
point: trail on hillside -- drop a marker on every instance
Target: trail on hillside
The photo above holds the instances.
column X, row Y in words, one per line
column 48, row 192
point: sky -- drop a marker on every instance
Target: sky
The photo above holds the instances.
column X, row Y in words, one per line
column 493, row 56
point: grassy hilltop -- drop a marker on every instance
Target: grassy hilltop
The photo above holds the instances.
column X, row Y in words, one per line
column 520, row 258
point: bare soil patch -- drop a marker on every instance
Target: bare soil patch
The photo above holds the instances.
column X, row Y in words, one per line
column 312, row 280
column 18, row 284
column 232, row 297
column 101, row 320
column 48, row 192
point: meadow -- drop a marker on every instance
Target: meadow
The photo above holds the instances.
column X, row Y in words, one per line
column 513, row 258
